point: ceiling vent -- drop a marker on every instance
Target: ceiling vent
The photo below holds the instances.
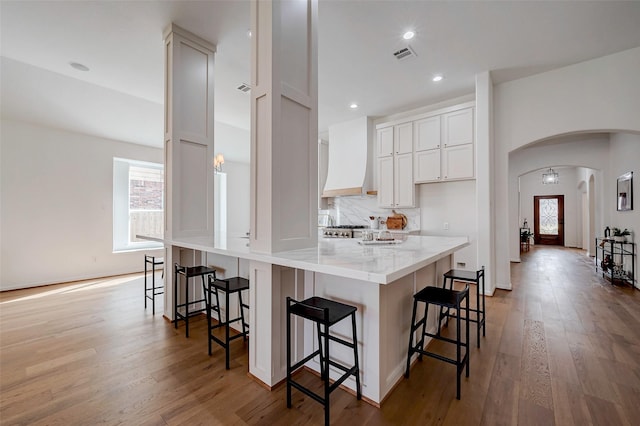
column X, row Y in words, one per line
column 244, row 88
column 404, row 53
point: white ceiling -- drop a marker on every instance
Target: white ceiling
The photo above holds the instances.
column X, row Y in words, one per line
column 121, row 42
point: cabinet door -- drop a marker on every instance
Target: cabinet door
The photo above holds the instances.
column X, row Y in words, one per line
column 457, row 127
column 457, row 162
column 404, row 189
column 427, row 133
column 385, row 141
column 427, row 166
column 385, row 182
column 403, row 138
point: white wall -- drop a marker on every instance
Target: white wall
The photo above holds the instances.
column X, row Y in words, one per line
column 455, row 204
column 625, row 157
column 56, row 205
column 598, row 95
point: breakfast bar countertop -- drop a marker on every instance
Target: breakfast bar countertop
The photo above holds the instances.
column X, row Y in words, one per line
column 343, row 257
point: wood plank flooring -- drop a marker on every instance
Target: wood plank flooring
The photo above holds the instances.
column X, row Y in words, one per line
column 563, row 348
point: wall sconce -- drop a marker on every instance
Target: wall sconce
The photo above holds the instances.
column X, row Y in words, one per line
column 550, row 177
column 218, row 161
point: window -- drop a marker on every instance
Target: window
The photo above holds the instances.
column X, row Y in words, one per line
column 138, row 200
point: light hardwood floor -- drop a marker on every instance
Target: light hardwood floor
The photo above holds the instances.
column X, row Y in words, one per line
column 562, row 348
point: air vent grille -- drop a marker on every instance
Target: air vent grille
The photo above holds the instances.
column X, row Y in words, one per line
column 404, row 53
column 244, row 88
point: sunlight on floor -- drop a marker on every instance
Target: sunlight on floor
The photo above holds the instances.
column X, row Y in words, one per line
column 74, row 287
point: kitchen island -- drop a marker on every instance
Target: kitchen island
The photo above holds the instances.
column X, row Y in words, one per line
column 379, row 280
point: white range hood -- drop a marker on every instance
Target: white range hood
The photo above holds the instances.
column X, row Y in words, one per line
column 350, row 169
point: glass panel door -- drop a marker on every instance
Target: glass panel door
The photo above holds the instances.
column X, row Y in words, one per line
column 548, row 212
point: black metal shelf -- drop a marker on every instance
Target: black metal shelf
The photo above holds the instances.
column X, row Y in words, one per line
column 616, row 260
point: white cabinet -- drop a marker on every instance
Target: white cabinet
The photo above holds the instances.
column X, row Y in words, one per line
column 457, row 127
column 403, row 138
column 385, row 142
column 403, row 187
column 444, row 147
column 427, row 133
column 427, row 165
column 385, row 184
column 395, row 169
column 457, row 162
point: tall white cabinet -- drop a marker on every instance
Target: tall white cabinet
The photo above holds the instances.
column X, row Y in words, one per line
column 395, row 166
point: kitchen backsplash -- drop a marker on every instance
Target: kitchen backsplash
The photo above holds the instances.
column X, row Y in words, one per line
column 357, row 209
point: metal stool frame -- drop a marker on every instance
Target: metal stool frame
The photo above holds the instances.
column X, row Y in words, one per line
column 324, row 313
column 470, row 277
column 187, row 272
column 228, row 286
column 153, row 261
column 451, row 299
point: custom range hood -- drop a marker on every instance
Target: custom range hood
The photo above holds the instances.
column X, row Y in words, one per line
column 350, row 170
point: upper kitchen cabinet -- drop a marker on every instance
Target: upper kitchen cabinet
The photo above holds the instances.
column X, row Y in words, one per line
column 395, row 166
column 457, row 127
column 427, row 143
column 385, row 142
column 445, row 147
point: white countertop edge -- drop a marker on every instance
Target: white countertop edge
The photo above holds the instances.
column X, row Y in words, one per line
column 278, row 259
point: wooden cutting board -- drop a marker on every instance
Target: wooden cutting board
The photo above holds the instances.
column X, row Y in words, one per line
column 396, row 221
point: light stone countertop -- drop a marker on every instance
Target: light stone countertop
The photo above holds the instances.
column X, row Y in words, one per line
column 342, row 257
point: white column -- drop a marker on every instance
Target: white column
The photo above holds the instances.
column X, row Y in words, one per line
column 485, row 192
column 188, row 145
column 284, row 165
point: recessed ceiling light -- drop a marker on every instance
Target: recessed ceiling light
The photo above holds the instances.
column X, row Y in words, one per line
column 437, row 78
column 249, row 34
column 408, row 35
column 353, row 105
column 78, row 66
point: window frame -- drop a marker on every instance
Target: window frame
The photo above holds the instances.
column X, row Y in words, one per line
column 121, row 211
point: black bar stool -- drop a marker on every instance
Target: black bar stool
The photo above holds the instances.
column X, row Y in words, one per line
column 325, row 313
column 228, row 286
column 448, row 299
column 471, row 277
column 152, row 292
column 187, row 272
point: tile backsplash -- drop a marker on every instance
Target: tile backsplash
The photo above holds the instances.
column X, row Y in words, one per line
column 356, row 210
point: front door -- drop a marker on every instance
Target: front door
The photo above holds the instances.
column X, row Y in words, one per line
column 548, row 212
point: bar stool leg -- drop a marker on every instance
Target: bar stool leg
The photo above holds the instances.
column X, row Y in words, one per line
column 226, row 327
column 175, row 298
column 145, row 283
column 327, row 402
column 478, row 313
column 467, row 321
column 240, row 306
column 320, row 351
column 288, row 352
column 411, row 332
column 458, row 351
column 484, row 322
column 355, row 356
column 153, row 284
column 424, row 327
column 207, row 301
